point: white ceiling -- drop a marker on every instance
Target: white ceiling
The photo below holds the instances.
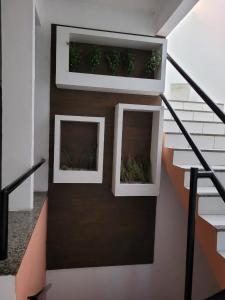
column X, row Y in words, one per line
column 149, row 17
column 152, row 7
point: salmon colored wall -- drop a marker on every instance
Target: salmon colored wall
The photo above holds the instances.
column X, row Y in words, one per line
column 30, row 278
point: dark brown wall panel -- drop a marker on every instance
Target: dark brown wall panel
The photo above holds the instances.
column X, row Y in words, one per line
column 87, row 225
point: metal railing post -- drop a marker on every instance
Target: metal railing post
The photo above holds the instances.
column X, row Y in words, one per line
column 4, row 207
column 4, row 214
column 191, row 234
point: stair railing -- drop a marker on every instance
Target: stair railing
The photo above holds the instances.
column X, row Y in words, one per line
column 4, row 207
column 195, row 174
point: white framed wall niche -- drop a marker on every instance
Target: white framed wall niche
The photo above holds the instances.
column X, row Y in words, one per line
column 137, row 150
column 92, row 81
column 78, row 149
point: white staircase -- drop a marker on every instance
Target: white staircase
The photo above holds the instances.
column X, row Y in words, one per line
column 208, row 133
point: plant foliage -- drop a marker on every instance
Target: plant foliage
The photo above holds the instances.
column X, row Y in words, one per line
column 87, row 161
column 113, row 58
column 153, row 62
column 134, row 170
column 74, row 57
column 95, row 58
column 129, row 61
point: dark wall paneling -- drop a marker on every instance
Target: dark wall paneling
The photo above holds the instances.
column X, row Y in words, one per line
column 87, row 225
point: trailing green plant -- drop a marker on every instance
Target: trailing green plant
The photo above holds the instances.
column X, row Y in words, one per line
column 153, row 62
column 113, row 58
column 74, row 57
column 95, row 58
column 134, row 170
column 129, row 62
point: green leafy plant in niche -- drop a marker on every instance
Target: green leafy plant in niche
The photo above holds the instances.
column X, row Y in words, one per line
column 66, row 161
column 87, row 161
column 113, row 59
column 95, row 58
column 134, row 170
column 74, row 57
column 153, row 63
column 129, row 62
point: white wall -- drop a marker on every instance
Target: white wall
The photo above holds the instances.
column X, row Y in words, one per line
column 162, row 280
column 165, row 278
column 18, row 96
column 198, row 44
column 7, row 288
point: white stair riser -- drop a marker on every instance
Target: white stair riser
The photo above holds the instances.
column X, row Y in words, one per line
column 193, row 105
column 211, row 206
column 180, row 91
column 203, row 142
column 204, row 182
column 192, row 115
column 220, row 241
column 195, row 127
column 188, row 157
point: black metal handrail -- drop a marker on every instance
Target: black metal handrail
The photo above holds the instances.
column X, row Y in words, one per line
column 4, row 207
column 196, row 150
column 194, row 175
column 41, row 293
column 215, row 108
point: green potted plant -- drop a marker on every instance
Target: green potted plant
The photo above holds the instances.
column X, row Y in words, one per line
column 74, row 57
column 95, row 58
column 113, row 59
column 129, row 62
column 153, row 63
column 133, row 170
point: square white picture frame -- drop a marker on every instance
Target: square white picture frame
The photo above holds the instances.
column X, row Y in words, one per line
column 138, row 189
column 78, row 176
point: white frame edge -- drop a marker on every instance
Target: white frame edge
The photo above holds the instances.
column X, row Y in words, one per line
column 62, row 176
column 152, row 189
column 105, row 83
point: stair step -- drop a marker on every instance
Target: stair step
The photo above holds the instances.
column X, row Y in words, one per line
column 222, row 253
column 218, row 221
column 188, row 167
column 195, row 127
column 187, row 156
column 211, row 205
column 189, row 115
column 203, row 141
column 193, row 105
column 206, row 191
column 203, row 182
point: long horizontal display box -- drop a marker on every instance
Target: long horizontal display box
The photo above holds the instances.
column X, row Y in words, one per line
column 111, row 62
column 78, row 149
column 137, row 150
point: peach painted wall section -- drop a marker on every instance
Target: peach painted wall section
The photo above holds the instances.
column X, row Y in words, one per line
column 30, row 278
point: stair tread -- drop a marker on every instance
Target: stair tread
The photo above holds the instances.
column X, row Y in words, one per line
column 191, row 110
column 200, row 167
column 195, row 121
column 203, row 150
column 193, row 101
column 222, row 253
column 218, row 221
column 206, row 191
column 205, row 134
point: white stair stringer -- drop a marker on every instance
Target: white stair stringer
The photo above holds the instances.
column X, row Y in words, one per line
column 208, row 132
